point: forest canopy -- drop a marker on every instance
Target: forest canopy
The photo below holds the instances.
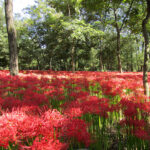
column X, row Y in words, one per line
column 78, row 35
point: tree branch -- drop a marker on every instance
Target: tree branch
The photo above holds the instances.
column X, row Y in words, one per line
column 127, row 14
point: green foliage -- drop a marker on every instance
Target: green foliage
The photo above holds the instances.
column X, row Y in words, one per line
column 4, row 56
column 67, row 7
column 136, row 16
column 53, row 27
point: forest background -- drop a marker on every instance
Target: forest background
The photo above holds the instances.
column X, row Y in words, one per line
column 78, row 35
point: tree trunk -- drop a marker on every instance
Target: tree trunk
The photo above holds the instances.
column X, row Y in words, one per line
column 13, row 53
column 38, row 64
column 137, row 62
column 100, row 58
column 131, row 65
column 101, row 62
column 118, row 30
column 50, row 63
column 69, row 12
column 127, row 67
column 73, row 60
column 146, row 51
column 118, row 50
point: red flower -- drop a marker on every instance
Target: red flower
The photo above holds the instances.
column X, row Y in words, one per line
column 76, row 129
column 48, row 144
column 142, row 134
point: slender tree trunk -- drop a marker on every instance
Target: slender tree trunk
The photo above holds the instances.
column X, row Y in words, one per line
column 38, row 64
column 73, row 59
column 131, row 66
column 50, row 59
column 107, row 67
column 100, row 57
column 66, row 66
column 118, row 50
column 127, row 62
column 146, row 51
column 69, row 12
column 50, row 63
column 101, row 62
column 137, row 62
column 118, row 30
column 12, row 37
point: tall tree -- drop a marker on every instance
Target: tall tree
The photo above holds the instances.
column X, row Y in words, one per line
column 11, row 37
column 117, row 12
column 3, row 39
column 116, row 6
column 147, row 49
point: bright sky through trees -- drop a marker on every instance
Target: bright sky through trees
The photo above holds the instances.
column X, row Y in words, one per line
column 20, row 4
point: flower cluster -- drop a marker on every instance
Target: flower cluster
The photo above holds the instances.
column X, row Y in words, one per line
column 59, row 109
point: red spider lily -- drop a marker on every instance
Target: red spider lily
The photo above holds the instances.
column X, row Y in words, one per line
column 76, row 129
column 73, row 112
column 94, row 105
column 133, row 123
column 17, row 125
column 54, row 118
column 142, row 134
column 8, row 127
column 10, row 102
column 8, row 133
column 72, row 109
column 80, row 95
column 33, row 98
column 46, row 126
column 145, row 106
column 130, row 108
column 90, row 105
column 1, row 101
column 114, row 107
column 48, row 144
column 130, row 111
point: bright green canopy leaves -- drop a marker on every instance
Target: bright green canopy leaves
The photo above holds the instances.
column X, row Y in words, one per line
column 54, row 28
column 68, row 7
column 80, row 30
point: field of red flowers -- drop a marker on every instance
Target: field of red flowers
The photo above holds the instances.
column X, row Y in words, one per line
column 47, row 110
